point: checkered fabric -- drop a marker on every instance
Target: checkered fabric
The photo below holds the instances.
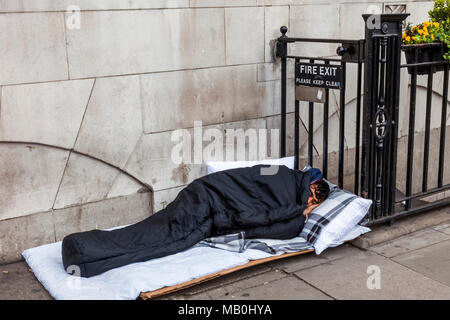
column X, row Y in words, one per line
column 238, row 243
column 336, row 201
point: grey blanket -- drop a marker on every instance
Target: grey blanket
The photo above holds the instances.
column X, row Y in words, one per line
column 238, row 243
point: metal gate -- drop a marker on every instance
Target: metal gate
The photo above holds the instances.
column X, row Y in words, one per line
column 378, row 60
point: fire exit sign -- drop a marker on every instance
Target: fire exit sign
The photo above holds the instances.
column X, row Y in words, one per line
column 319, row 75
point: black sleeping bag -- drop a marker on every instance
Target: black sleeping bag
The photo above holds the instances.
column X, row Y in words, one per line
column 263, row 206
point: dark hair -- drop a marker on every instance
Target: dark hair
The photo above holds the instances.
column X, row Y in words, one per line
column 322, row 189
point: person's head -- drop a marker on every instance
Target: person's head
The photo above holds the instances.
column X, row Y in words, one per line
column 318, row 192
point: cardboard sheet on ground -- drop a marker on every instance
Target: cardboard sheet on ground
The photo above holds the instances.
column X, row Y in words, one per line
column 129, row 281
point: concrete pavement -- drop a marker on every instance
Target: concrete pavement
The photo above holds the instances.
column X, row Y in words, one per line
column 413, row 266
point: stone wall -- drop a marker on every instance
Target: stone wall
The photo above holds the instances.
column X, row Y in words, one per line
column 116, row 86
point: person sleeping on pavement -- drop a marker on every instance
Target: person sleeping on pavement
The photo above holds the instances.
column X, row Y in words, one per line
column 261, row 203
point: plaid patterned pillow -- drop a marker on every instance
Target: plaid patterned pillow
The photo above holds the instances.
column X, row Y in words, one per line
column 337, row 200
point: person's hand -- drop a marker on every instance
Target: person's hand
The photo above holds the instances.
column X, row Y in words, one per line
column 309, row 209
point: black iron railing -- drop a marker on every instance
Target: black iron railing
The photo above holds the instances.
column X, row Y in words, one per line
column 350, row 52
column 375, row 159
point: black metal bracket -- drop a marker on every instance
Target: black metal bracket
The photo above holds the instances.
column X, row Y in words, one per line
column 351, row 52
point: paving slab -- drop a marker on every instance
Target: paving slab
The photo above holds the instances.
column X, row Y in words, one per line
column 413, row 223
column 354, row 278
column 445, row 228
column 200, row 296
column 220, row 282
column 432, row 261
column 410, row 242
column 274, row 284
column 288, row 288
column 229, row 285
column 17, row 282
column 297, row 263
column 255, row 281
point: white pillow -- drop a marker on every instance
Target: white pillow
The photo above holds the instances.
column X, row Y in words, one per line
column 338, row 228
column 353, row 234
column 215, row 166
column 334, row 218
